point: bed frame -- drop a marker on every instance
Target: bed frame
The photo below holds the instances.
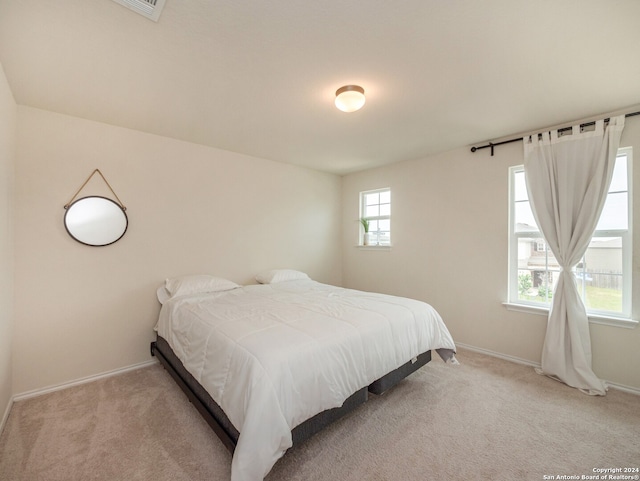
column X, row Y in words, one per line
column 228, row 434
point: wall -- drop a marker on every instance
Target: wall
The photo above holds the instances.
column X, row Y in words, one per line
column 83, row 310
column 449, row 236
column 8, row 111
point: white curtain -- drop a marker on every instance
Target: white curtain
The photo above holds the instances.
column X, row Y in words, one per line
column 568, row 178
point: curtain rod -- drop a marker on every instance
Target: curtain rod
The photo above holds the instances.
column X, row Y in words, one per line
column 492, row 145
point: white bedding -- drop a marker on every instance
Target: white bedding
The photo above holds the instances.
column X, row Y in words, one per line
column 272, row 356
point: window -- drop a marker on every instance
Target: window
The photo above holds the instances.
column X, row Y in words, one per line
column 375, row 206
column 603, row 276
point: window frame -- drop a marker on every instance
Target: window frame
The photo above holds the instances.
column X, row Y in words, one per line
column 620, row 319
column 362, row 211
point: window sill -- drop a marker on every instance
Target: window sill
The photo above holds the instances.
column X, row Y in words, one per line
column 593, row 318
column 373, row 247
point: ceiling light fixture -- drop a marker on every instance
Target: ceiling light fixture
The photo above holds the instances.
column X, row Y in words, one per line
column 350, row 98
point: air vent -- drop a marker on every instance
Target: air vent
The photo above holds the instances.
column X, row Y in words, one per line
column 147, row 8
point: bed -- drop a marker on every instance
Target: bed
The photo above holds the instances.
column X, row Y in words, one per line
column 269, row 365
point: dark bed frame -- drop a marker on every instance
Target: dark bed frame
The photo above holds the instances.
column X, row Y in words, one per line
column 228, row 434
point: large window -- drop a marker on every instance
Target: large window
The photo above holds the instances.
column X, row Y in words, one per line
column 603, row 276
column 375, row 206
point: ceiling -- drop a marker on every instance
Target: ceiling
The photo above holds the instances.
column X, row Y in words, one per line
column 259, row 78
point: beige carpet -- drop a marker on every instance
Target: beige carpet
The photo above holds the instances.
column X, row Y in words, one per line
column 487, row 419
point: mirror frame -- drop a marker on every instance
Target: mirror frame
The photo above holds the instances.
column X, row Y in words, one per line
column 85, row 242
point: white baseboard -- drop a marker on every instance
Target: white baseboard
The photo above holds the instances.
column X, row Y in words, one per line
column 115, row 372
column 622, row 387
column 6, row 415
column 84, row 380
column 526, row 362
column 499, row 355
column 65, row 385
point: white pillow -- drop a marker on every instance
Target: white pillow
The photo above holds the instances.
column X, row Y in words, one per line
column 280, row 275
column 162, row 294
column 185, row 285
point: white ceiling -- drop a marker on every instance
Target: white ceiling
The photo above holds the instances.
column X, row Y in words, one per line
column 259, row 77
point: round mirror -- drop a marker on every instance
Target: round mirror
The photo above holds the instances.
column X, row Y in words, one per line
column 95, row 221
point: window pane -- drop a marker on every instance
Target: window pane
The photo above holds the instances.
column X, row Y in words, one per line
column 597, row 296
column 385, row 197
column 525, row 221
column 524, row 285
column 604, row 254
column 371, row 199
column 600, row 277
column 372, row 211
column 381, row 237
column 619, row 180
column 614, row 214
column 385, row 224
column 385, row 209
column 536, row 285
column 520, row 186
column 384, row 238
column 538, row 270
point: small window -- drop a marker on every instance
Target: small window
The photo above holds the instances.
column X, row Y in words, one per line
column 375, row 207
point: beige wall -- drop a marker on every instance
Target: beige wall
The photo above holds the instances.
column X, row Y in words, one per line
column 80, row 311
column 83, row 310
column 449, row 236
column 7, row 153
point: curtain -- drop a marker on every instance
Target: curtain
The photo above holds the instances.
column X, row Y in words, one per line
column 568, row 178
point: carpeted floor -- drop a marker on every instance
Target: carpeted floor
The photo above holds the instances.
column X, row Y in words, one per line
column 487, row 419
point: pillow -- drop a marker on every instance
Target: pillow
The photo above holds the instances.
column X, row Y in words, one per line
column 185, row 285
column 280, row 275
column 163, row 294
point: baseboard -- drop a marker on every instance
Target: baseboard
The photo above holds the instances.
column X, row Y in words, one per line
column 526, row 362
column 115, row 372
column 622, row 387
column 6, row 415
column 499, row 355
column 84, row 380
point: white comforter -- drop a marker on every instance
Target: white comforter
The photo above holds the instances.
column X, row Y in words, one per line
column 272, row 356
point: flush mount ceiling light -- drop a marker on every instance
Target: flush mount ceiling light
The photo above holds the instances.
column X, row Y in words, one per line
column 350, row 98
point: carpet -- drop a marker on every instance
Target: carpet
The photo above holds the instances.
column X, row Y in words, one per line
column 487, row 419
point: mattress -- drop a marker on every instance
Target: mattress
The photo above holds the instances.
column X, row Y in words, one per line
column 273, row 356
